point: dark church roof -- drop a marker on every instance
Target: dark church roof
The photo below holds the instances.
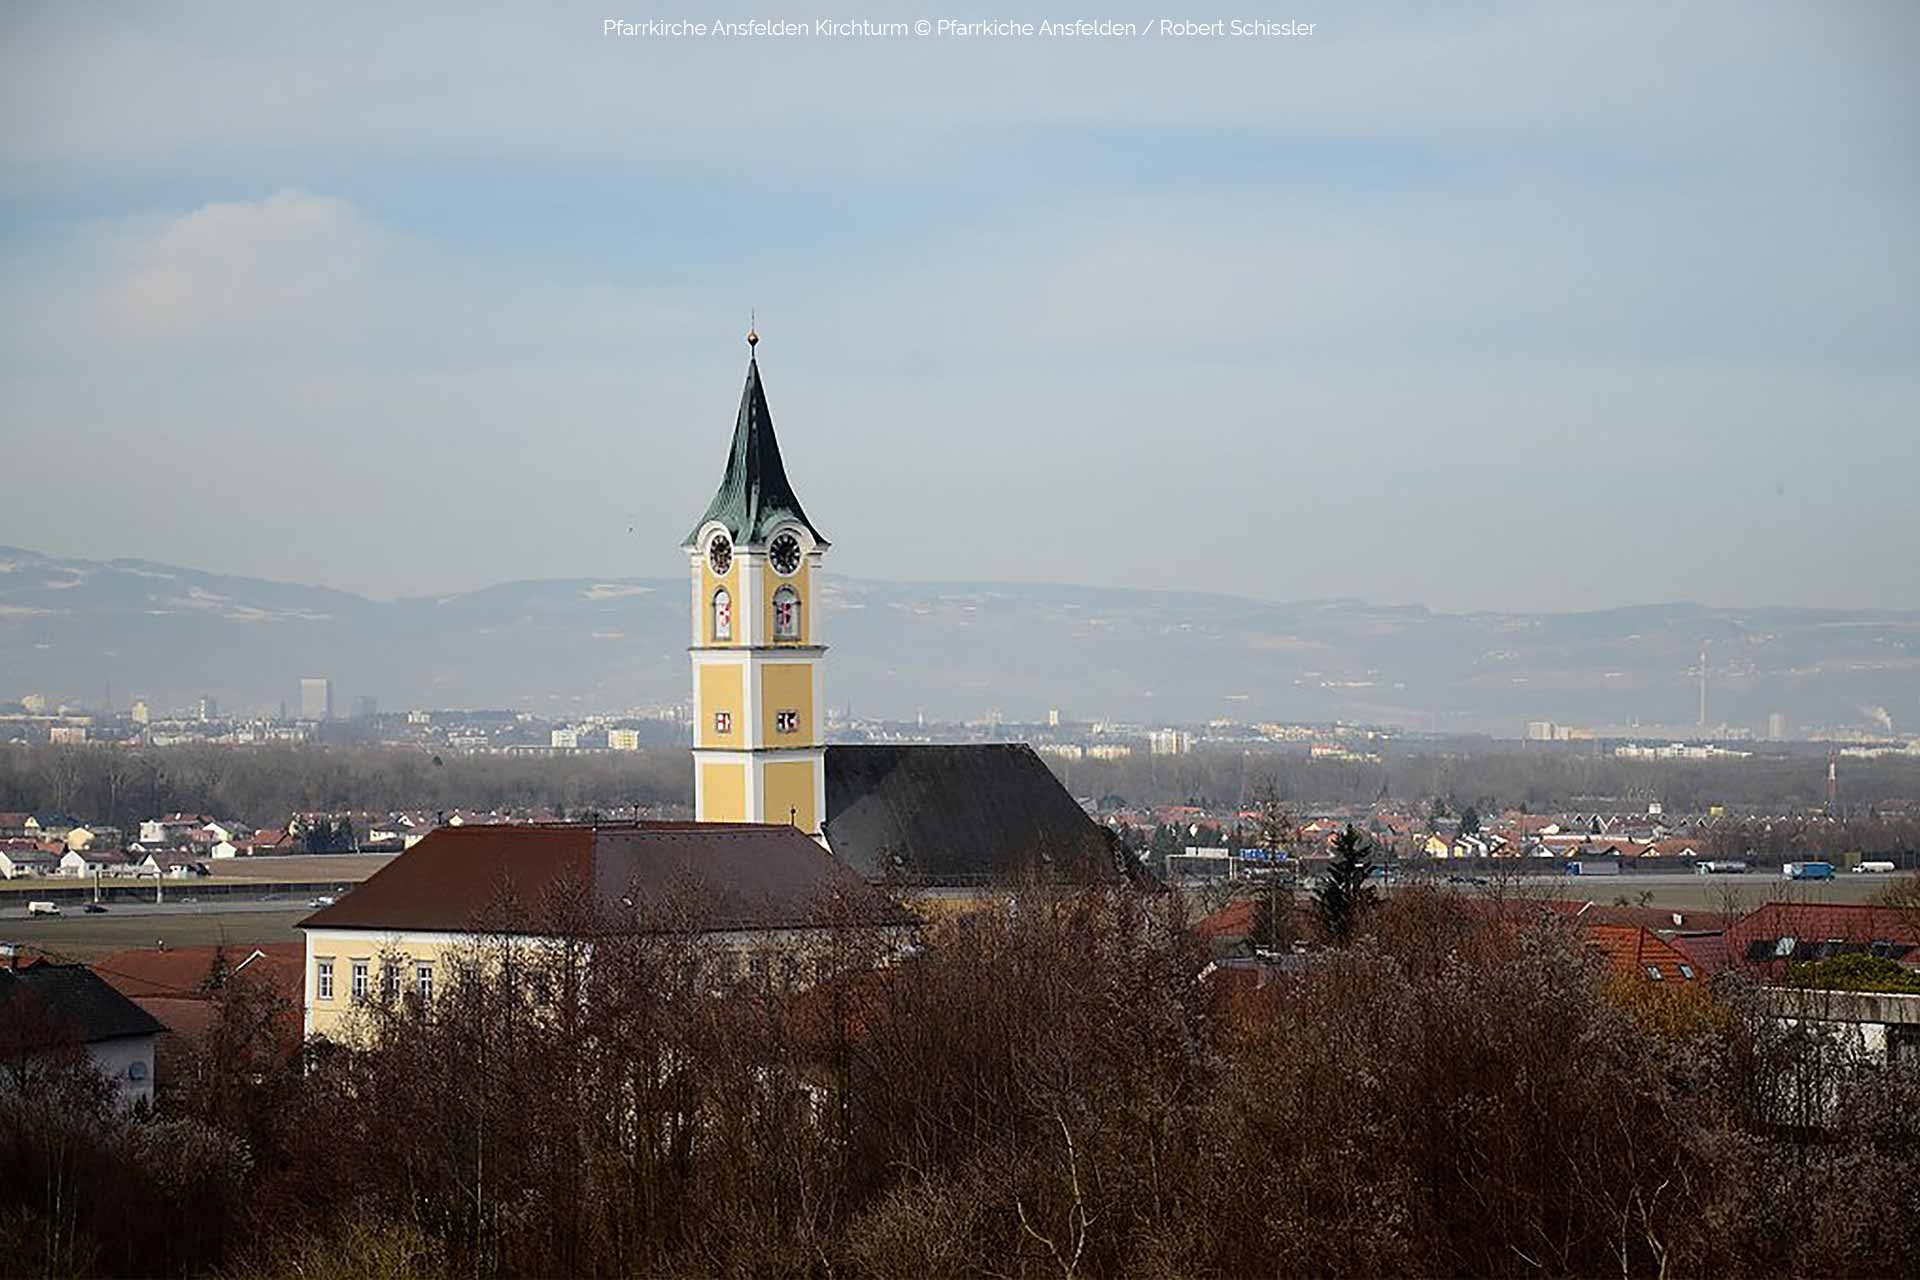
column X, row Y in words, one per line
column 755, row 496
column 960, row 815
column 712, row 877
column 46, row 1003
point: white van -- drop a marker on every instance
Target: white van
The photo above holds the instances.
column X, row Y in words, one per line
column 43, row 908
column 1874, row 868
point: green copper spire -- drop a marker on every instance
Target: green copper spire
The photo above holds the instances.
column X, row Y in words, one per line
column 755, row 496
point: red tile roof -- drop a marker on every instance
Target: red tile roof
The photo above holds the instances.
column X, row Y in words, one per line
column 1235, row 920
column 1814, row 922
column 1634, row 951
column 728, row 875
column 1593, row 912
column 1708, row 951
column 182, row 971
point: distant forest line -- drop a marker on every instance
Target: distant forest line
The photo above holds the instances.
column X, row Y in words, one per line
column 262, row 785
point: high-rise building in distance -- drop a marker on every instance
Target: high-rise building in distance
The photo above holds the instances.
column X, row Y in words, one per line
column 316, row 698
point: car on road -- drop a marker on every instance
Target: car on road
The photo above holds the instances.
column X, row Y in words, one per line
column 43, row 908
column 323, row 900
column 94, row 909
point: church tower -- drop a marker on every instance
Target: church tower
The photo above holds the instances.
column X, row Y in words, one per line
column 755, row 559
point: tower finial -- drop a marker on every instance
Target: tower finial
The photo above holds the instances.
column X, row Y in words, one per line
column 753, row 336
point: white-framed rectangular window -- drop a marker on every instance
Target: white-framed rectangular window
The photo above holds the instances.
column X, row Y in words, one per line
column 723, row 722
column 786, row 722
column 323, row 978
column 423, row 980
column 359, row 980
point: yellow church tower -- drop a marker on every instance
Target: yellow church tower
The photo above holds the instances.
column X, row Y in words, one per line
column 757, row 754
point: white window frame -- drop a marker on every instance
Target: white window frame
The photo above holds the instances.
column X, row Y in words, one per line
column 786, row 721
column 723, row 722
column 323, row 978
column 423, row 980
column 362, row 983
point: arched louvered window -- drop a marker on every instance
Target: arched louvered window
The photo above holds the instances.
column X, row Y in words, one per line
column 786, row 614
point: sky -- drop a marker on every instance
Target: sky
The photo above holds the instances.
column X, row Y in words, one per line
column 1495, row 306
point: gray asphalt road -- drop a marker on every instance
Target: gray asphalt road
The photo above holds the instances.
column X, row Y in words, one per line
column 219, row 906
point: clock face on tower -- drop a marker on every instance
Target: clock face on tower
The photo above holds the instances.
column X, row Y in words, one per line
column 720, row 555
column 785, row 553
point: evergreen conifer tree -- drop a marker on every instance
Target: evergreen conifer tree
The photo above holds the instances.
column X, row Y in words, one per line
column 1344, row 894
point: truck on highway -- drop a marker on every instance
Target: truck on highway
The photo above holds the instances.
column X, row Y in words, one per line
column 1880, row 868
column 1594, row 867
column 1807, row 870
column 1720, row 867
column 43, row 908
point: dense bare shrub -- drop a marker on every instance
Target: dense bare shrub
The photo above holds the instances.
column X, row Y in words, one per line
column 1057, row 1085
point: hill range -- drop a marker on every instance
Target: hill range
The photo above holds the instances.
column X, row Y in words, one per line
column 954, row 651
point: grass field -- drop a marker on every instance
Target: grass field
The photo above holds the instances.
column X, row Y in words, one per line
column 86, row 938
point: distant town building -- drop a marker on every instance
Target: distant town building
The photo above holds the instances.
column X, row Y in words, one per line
column 1777, row 727
column 67, row 734
column 1169, row 742
column 623, row 739
column 1678, row 751
column 140, row 714
column 1548, row 731
column 316, row 698
column 564, row 739
column 1053, row 718
column 365, row 707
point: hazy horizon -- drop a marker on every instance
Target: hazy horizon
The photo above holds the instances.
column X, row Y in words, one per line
column 671, row 577
column 1533, row 309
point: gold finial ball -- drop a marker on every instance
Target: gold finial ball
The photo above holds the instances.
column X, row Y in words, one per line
column 753, row 338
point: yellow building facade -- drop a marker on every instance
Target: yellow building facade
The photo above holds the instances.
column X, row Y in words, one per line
column 754, row 562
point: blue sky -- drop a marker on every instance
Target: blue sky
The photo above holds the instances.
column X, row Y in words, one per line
column 1496, row 306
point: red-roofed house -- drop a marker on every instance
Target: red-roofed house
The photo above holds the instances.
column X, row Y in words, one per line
column 745, row 890
column 1708, row 951
column 176, row 987
column 1633, row 951
column 1772, row 936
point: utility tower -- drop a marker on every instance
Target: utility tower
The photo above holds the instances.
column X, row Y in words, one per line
column 1703, row 685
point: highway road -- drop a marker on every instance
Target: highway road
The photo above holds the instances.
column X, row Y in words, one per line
column 171, row 907
column 1685, row 890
